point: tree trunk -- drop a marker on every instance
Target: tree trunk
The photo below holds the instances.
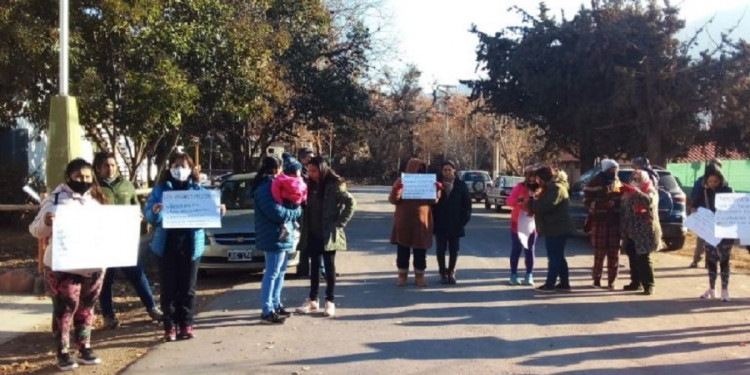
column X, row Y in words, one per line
column 654, row 149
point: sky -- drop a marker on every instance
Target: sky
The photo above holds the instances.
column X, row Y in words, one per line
column 433, row 34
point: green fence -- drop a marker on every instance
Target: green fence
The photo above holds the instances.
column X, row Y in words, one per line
column 737, row 172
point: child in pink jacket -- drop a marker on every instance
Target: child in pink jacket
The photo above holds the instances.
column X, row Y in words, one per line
column 518, row 199
column 289, row 188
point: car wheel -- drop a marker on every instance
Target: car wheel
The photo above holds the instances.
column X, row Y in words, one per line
column 487, row 204
column 202, row 272
column 675, row 243
column 498, row 207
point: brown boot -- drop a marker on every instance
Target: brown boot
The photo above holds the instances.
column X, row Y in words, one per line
column 419, row 280
column 402, row 276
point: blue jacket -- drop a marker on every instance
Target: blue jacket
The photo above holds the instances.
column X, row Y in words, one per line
column 269, row 216
column 160, row 234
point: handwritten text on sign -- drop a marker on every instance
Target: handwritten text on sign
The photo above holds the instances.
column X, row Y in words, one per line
column 191, row 209
column 418, row 186
column 702, row 224
column 732, row 215
column 90, row 237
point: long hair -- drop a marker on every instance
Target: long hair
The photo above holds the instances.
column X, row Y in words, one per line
column 178, row 157
column 267, row 167
column 545, row 173
column 327, row 175
column 78, row 164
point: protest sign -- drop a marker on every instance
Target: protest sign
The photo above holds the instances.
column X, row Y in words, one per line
column 702, row 223
column 526, row 226
column 418, row 186
column 89, row 237
column 732, row 215
column 191, row 209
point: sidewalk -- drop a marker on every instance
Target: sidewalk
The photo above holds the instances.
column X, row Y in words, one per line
column 20, row 315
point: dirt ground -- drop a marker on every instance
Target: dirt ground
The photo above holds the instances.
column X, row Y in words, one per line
column 33, row 353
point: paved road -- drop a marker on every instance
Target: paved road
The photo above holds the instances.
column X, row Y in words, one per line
column 480, row 326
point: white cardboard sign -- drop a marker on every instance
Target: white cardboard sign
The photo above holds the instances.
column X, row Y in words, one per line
column 702, row 223
column 418, row 186
column 732, row 215
column 95, row 236
column 191, row 209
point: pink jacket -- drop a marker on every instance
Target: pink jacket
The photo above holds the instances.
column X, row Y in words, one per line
column 292, row 189
column 517, row 199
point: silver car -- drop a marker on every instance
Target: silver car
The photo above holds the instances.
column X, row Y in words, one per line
column 233, row 245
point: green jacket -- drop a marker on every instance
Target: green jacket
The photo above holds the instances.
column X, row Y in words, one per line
column 120, row 191
column 338, row 209
column 551, row 210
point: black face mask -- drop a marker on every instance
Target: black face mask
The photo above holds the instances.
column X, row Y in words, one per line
column 79, row 187
column 532, row 185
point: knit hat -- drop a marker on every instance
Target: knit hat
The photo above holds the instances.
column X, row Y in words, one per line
column 291, row 165
column 608, row 164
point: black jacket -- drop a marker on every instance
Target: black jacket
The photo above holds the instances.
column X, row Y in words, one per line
column 453, row 211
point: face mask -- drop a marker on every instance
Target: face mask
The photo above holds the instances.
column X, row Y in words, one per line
column 532, row 185
column 79, row 187
column 180, row 174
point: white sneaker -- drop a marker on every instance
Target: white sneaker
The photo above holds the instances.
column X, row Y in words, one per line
column 330, row 309
column 725, row 295
column 308, row 307
column 709, row 294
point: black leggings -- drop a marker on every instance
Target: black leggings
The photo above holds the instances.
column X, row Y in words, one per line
column 316, row 248
column 451, row 245
column 402, row 258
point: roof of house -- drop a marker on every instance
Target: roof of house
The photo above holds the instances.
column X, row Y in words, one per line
column 701, row 153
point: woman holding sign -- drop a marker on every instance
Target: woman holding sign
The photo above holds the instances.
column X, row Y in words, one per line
column 270, row 217
column 412, row 227
column 179, row 249
column 73, row 292
column 713, row 183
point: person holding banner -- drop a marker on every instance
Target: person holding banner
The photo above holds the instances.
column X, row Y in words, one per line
column 73, row 292
column 450, row 214
column 715, row 183
column 179, row 249
column 523, row 237
column 120, row 191
column 329, row 209
column 412, row 227
column 640, row 229
column 269, row 217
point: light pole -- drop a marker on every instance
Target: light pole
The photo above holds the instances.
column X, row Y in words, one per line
column 446, row 90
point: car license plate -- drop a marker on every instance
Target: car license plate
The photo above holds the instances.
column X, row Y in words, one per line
column 239, row 255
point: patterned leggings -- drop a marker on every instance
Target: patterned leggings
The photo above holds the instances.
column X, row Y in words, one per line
column 721, row 255
column 613, row 263
column 73, row 297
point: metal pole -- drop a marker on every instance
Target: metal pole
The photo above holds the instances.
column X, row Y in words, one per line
column 64, row 47
column 210, row 156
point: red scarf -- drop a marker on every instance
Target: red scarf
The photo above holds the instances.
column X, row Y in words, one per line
column 639, row 208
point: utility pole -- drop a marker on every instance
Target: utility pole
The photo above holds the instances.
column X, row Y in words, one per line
column 446, row 92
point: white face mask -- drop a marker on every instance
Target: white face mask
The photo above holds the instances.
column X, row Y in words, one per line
column 180, row 174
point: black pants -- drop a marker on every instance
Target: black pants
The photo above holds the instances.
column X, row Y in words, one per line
column 402, row 258
column 303, row 268
column 449, row 243
column 641, row 267
column 178, row 277
column 316, row 248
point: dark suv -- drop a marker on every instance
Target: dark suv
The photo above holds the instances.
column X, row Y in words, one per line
column 477, row 182
column 672, row 210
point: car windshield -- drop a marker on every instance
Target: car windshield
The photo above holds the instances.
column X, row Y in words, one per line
column 475, row 176
column 237, row 195
column 510, row 181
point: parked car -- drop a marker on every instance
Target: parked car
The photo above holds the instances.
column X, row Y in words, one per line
column 672, row 204
column 499, row 191
column 233, row 245
column 477, row 182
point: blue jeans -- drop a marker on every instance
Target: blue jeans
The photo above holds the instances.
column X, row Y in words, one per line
column 515, row 253
column 273, row 281
column 557, row 265
column 137, row 279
